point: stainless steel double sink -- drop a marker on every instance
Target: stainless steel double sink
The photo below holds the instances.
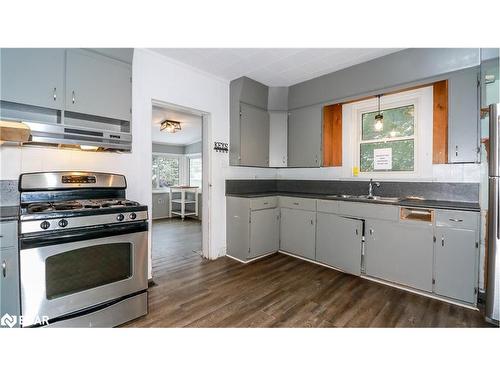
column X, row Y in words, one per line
column 367, row 198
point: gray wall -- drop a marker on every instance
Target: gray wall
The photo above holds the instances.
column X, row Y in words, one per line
column 405, row 67
column 177, row 149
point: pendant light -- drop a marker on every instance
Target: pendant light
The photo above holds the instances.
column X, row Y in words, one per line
column 379, row 118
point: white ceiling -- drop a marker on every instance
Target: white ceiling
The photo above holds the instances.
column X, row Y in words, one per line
column 273, row 66
column 191, row 127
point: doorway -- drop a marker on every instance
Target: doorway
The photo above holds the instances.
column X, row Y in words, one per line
column 177, row 178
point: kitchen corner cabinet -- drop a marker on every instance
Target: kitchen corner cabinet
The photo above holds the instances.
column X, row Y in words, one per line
column 252, row 227
column 338, row 242
column 305, row 137
column 33, row 76
column 9, row 270
column 400, row 252
column 298, row 232
column 254, row 133
column 97, row 85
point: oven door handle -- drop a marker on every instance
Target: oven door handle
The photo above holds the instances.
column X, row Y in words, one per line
column 82, row 234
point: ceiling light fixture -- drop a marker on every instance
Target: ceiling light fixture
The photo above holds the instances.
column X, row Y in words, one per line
column 379, row 118
column 170, row 126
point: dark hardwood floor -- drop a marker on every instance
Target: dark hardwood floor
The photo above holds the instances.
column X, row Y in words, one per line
column 279, row 291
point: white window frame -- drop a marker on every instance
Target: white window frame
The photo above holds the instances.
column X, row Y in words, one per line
column 197, row 155
column 422, row 99
column 182, row 168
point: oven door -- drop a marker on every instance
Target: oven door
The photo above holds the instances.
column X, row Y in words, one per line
column 65, row 273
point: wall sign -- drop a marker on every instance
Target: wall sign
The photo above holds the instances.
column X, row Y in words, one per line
column 382, row 159
column 221, row 147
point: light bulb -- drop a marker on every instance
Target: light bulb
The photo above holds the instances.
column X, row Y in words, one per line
column 379, row 125
column 88, row 148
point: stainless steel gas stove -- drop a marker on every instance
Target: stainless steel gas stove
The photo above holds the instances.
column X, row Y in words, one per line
column 83, row 250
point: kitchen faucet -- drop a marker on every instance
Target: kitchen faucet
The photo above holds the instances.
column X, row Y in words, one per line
column 370, row 188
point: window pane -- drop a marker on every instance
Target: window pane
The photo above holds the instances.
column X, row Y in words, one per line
column 195, row 172
column 402, row 155
column 165, row 171
column 398, row 122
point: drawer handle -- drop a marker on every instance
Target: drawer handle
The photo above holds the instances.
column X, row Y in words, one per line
column 296, row 203
column 266, row 203
column 456, row 220
column 442, row 241
column 4, row 269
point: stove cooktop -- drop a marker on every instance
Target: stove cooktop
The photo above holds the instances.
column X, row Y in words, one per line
column 77, row 205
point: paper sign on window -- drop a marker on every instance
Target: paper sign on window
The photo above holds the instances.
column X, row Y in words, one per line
column 382, row 159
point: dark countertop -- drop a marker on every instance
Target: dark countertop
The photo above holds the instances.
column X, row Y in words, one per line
column 447, row 205
column 9, row 213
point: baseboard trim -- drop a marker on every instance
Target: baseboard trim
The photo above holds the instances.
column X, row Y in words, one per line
column 388, row 283
column 251, row 260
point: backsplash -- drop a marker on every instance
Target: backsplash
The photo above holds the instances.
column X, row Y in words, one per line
column 9, row 194
column 464, row 192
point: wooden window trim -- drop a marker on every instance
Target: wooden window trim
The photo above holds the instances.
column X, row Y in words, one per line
column 332, row 135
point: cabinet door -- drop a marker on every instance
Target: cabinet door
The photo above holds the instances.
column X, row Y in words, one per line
column 9, row 282
column 97, row 85
column 33, row 76
column 455, row 263
column 254, row 133
column 304, row 137
column 338, row 242
column 464, row 117
column 399, row 252
column 298, row 232
column 264, row 232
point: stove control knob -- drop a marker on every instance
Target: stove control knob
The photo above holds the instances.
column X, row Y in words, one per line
column 120, row 217
column 45, row 224
column 132, row 216
column 63, row 223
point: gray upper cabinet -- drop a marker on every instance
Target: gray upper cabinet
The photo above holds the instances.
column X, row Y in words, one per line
column 97, row 85
column 254, row 133
column 298, row 232
column 455, row 268
column 399, row 252
column 33, row 76
column 304, row 137
column 338, row 242
column 463, row 117
column 264, row 232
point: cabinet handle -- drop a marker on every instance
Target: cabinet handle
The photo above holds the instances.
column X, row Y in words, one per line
column 371, row 231
column 296, row 203
column 442, row 241
column 55, row 94
column 456, row 220
column 266, row 203
column 73, row 96
column 4, row 269
column 356, row 231
column 312, row 222
column 456, row 150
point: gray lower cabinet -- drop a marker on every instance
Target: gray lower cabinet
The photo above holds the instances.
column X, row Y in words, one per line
column 33, row 76
column 305, row 137
column 254, row 133
column 298, row 232
column 455, row 263
column 338, row 242
column 97, row 85
column 399, row 252
column 9, row 270
column 264, row 232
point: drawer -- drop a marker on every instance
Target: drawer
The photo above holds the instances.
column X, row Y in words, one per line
column 298, row 203
column 328, row 206
column 369, row 210
column 8, row 234
column 457, row 219
column 264, row 202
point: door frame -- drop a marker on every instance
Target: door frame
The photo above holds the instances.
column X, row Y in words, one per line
column 206, row 129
